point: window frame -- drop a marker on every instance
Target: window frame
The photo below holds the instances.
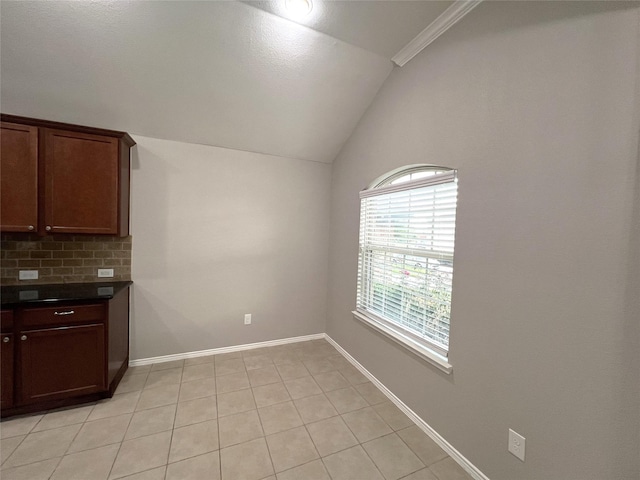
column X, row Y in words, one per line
column 427, row 349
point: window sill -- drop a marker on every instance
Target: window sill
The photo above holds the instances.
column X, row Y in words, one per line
column 414, row 347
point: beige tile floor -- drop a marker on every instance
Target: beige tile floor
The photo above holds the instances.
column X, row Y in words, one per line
column 292, row 412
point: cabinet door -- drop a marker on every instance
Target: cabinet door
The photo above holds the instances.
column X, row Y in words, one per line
column 6, row 370
column 62, row 362
column 19, row 179
column 81, row 183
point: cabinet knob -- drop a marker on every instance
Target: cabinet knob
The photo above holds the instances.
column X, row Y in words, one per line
column 31, row 228
column 23, row 338
column 5, row 339
column 48, row 228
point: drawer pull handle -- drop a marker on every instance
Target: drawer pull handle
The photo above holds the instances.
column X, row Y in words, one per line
column 70, row 312
column 6, row 339
column 23, row 338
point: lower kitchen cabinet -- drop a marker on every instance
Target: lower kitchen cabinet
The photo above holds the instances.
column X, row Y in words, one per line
column 6, row 367
column 7, row 356
column 62, row 362
column 62, row 353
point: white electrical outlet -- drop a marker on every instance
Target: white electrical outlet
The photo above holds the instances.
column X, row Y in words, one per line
column 516, row 444
column 28, row 275
column 105, row 272
column 247, row 319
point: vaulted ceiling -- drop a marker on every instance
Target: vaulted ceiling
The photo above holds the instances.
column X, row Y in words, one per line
column 217, row 73
column 382, row 27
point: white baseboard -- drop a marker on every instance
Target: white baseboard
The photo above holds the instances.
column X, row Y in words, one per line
column 469, row 467
column 218, row 351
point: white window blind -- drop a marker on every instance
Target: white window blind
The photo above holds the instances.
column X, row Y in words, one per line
column 407, row 233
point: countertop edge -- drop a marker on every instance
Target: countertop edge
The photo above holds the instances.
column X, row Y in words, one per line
column 66, row 292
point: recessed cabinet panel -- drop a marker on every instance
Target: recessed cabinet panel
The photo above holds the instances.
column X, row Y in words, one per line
column 81, row 183
column 6, row 370
column 6, row 320
column 19, row 178
column 63, row 362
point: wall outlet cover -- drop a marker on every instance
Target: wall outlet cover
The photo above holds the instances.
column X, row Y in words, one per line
column 247, row 319
column 28, row 275
column 516, row 444
column 105, row 272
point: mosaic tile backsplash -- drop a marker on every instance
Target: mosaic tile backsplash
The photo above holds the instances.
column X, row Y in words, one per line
column 64, row 258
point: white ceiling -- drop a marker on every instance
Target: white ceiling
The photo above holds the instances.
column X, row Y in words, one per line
column 217, row 73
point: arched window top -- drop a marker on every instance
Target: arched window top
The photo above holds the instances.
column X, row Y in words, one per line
column 407, row 174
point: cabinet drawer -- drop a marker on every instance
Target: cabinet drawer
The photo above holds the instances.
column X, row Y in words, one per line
column 6, row 320
column 62, row 314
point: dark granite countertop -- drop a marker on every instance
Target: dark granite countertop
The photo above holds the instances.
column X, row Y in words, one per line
column 16, row 295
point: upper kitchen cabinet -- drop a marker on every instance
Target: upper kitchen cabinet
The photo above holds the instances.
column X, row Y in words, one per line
column 19, row 177
column 81, row 178
column 81, row 183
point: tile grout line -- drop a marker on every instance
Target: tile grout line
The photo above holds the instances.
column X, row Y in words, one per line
column 306, row 429
column 56, row 467
column 77, row 433
column 32, row 432
column 373, row 461
column 297, row 411
column 342, row 420
column 413, row 451
column 175, row 414
column 140, row 472
column 217, row 422
column 174, row 419
column 125, row 433
column 323, row 392
column 307, row 463
column 432, row 472
column 85, row 451
column 273, row 468
column 14, row 450
column 173, row 425
column 360, row 444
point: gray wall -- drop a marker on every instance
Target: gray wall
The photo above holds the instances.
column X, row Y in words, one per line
column 536, row 105
column 218, row 233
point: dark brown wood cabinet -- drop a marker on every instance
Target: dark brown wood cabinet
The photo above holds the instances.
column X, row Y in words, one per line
column 64, row 178
column 7, row 368
column 62, row 362
column 62, row 354
column 81, row 183
column 7, row 359
column 19, row 177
